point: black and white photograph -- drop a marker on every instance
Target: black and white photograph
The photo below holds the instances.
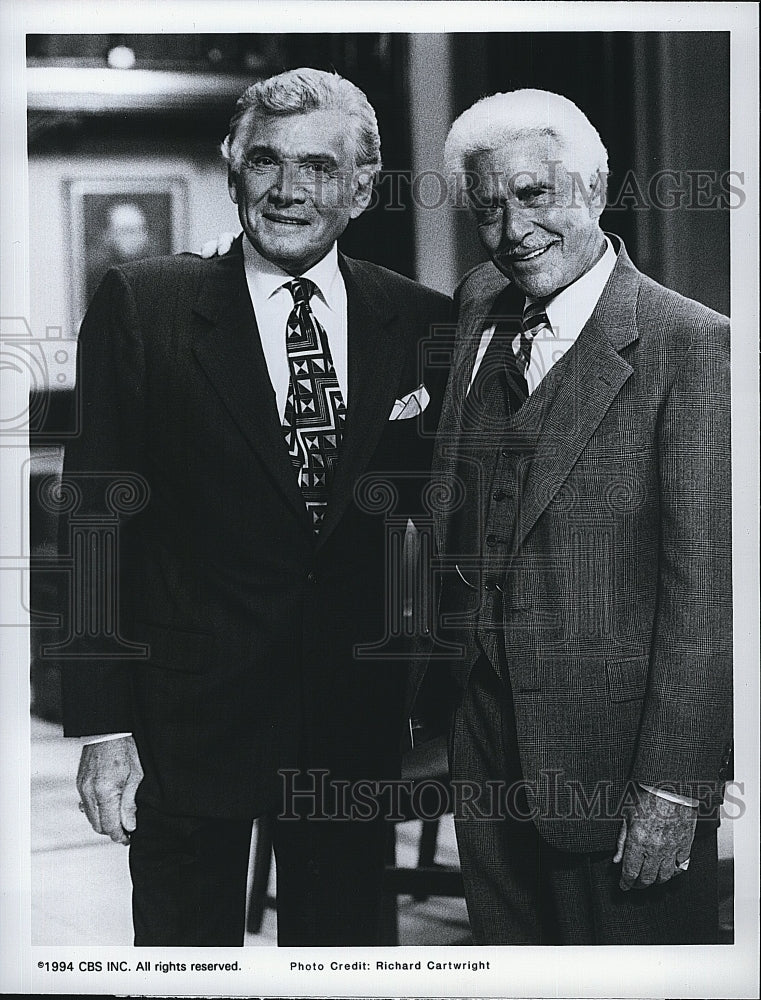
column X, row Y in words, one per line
column 380, row 557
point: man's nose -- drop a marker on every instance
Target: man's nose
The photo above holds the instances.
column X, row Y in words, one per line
column 286, row 188
column 516, row 223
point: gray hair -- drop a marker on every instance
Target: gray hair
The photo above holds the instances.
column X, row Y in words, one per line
column 299, row 91
column 493, row 122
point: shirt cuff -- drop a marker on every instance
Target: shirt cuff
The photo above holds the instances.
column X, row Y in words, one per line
column 89, row 740
column 682, row 800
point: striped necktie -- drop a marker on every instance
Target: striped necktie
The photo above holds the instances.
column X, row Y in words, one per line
column 314, row 411
column 534, row 318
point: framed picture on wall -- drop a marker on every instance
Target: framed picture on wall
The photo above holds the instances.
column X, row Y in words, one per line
column 117, row 220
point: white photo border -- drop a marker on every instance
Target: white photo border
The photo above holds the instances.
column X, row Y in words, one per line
column 717, row 971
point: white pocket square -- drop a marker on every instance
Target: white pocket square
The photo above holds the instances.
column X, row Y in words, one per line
column 410, row 405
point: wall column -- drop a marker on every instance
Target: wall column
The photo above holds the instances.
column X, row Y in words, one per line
column 429, row 75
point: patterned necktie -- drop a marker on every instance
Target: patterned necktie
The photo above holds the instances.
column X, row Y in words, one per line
column 534, row 317
column 314, row 411
column 505, row 363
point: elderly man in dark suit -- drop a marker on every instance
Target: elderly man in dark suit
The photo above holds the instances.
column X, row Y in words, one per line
column 247, row 395
column 585, row 435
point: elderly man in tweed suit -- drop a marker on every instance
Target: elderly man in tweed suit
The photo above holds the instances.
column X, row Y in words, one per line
column 585, row 436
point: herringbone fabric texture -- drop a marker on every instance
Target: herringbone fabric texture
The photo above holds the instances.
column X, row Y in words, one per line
column 315, row 411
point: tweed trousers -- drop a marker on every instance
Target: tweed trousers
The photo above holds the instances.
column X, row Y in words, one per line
column 521, row 890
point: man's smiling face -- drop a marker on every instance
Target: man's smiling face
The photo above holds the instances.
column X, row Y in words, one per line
column 538, row 226
column 297, row 187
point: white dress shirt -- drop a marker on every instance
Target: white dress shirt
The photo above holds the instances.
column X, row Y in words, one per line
column 567, row 312
column 273, row 303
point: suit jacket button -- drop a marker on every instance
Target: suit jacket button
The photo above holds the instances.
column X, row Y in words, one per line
column 492, row 540
column 312, row 577
column 499, row 495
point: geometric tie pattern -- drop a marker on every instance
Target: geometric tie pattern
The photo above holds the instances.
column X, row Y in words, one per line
column 315, row 412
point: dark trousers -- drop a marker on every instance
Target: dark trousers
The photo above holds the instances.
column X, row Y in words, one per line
column 329, row 881
column 189, row 880
column 520, row 890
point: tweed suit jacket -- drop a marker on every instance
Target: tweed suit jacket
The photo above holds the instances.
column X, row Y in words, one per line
column 248, row 621
column 616, row 583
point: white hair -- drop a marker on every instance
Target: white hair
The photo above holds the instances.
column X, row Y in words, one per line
column 494, row 122
column 299, row 91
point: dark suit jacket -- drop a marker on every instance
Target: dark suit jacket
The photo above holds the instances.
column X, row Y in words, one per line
column 249, row 622
column 617, row 612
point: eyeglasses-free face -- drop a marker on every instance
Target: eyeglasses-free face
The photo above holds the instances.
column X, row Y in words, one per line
column 298, row 186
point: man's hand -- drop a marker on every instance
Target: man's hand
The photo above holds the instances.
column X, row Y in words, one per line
column 654, row 841
column 108, row 776
column 219, row 246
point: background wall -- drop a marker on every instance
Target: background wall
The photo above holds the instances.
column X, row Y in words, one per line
column 660, row 102
column 209, row 210
column 165, row 117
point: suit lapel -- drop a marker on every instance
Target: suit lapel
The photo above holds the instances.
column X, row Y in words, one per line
column 227, row 346
column 377, row 352
column 593, row 373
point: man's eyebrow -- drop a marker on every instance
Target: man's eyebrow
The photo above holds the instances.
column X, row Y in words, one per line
column 483, row 201
column 260, row 150
column 301, row 157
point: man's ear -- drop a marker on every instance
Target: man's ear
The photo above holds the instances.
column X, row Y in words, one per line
column 598, row 194
column 232, row 185
column 362, row 191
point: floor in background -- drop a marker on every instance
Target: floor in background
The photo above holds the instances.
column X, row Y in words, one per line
column 81, row 887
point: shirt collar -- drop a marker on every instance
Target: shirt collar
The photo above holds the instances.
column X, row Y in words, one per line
column 569, row 310
column 265, row 279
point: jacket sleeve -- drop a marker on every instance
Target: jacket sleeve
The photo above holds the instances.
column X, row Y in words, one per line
column 686, row 726
column 102, row 490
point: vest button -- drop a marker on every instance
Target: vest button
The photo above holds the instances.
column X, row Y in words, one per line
column 311, row 577
column 499, row 495
column 492, row 540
